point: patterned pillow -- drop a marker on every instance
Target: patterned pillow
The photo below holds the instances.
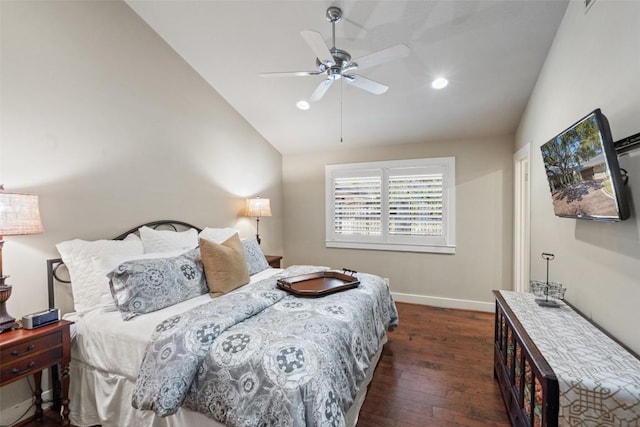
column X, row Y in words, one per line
column 256, row 261
column 146, row 285
column 109, row 263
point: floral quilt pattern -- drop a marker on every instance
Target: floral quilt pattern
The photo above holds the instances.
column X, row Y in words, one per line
column 260, row 356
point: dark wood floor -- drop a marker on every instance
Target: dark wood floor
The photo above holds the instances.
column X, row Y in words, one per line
column 436, row 370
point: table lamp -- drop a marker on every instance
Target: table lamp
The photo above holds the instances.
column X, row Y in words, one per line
column 19, row 215
column 258, row 207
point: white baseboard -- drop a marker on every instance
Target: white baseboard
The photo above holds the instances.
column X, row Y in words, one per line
column 17, row 412
column 461, row 304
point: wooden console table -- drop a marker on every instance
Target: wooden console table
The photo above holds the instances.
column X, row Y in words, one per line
column 556, row 368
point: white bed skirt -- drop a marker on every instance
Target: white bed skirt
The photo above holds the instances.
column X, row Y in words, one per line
column 101, row 398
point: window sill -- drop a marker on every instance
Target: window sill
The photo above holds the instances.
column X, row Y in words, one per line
column 391, row 247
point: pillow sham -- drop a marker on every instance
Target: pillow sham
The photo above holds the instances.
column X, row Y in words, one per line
column 146, row 285
column 256, row 261
column 217, row 235
column 225, row 266
column 87, row 282
column 157, row 241
column 107, row 264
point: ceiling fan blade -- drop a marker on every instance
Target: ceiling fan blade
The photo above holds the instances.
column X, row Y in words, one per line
column 385, row 55
column 291, row 74
column 366, row 84
column 322, row 88
column 318, row 46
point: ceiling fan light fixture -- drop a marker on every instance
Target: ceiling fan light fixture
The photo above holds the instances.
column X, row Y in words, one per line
column 303, row 105
column 439, row 83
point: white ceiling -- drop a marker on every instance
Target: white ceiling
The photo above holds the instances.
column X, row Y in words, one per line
column 491, row 52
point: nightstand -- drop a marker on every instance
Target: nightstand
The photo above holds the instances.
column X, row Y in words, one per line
column 274, row 260
column 25, row 352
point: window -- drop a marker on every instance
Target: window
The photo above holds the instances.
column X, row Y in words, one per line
column 400, row 205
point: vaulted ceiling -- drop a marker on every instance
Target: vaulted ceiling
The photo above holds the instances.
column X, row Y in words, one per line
column 490, row 51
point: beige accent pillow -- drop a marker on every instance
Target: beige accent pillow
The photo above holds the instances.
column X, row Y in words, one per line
column 225, row 266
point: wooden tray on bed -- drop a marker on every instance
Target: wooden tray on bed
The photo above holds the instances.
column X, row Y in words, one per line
column 319, row 284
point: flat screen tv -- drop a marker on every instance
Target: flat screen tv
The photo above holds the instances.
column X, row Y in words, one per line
column 583, row 172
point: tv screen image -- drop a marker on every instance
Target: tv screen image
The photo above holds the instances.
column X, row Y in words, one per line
column 583, row 172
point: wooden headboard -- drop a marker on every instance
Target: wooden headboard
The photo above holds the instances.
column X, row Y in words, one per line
column 53, row 265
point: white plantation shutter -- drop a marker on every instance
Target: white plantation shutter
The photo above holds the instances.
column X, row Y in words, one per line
column 357, row 205
column 416, row 204
column 404, row 205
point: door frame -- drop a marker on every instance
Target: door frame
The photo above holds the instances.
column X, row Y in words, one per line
column 521, row 218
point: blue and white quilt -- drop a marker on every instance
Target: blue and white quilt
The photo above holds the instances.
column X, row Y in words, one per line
column 260, row 356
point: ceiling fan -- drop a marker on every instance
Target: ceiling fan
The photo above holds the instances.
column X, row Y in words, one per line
column 337, row 63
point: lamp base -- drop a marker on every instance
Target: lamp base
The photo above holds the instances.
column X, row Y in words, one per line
column 8, row 326
column 258, row 229
column 6, row 321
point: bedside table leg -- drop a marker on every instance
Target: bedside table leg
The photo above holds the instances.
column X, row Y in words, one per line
column 65, row 394
column 38, row 394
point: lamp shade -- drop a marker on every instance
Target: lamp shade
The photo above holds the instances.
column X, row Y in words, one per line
column 19, row 214
column 258, row 207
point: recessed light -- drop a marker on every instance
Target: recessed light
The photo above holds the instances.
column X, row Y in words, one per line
column 303, row 105
column 439, row 83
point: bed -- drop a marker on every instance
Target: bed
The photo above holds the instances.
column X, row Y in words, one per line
column 254, row 355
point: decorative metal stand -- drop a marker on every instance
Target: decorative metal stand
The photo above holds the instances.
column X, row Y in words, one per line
column 555, row 290
column 545, row 302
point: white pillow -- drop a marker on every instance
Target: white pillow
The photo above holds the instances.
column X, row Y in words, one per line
column 156, row 241
column 217, row 235
column 106, row 265
column 86, row 281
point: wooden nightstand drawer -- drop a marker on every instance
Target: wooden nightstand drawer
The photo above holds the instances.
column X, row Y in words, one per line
column 31, row 347
column 30, row 364
column 25, row 352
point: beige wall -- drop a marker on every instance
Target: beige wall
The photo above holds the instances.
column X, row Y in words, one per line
column 483, row 223
column 594, row 63
column 111, row 128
